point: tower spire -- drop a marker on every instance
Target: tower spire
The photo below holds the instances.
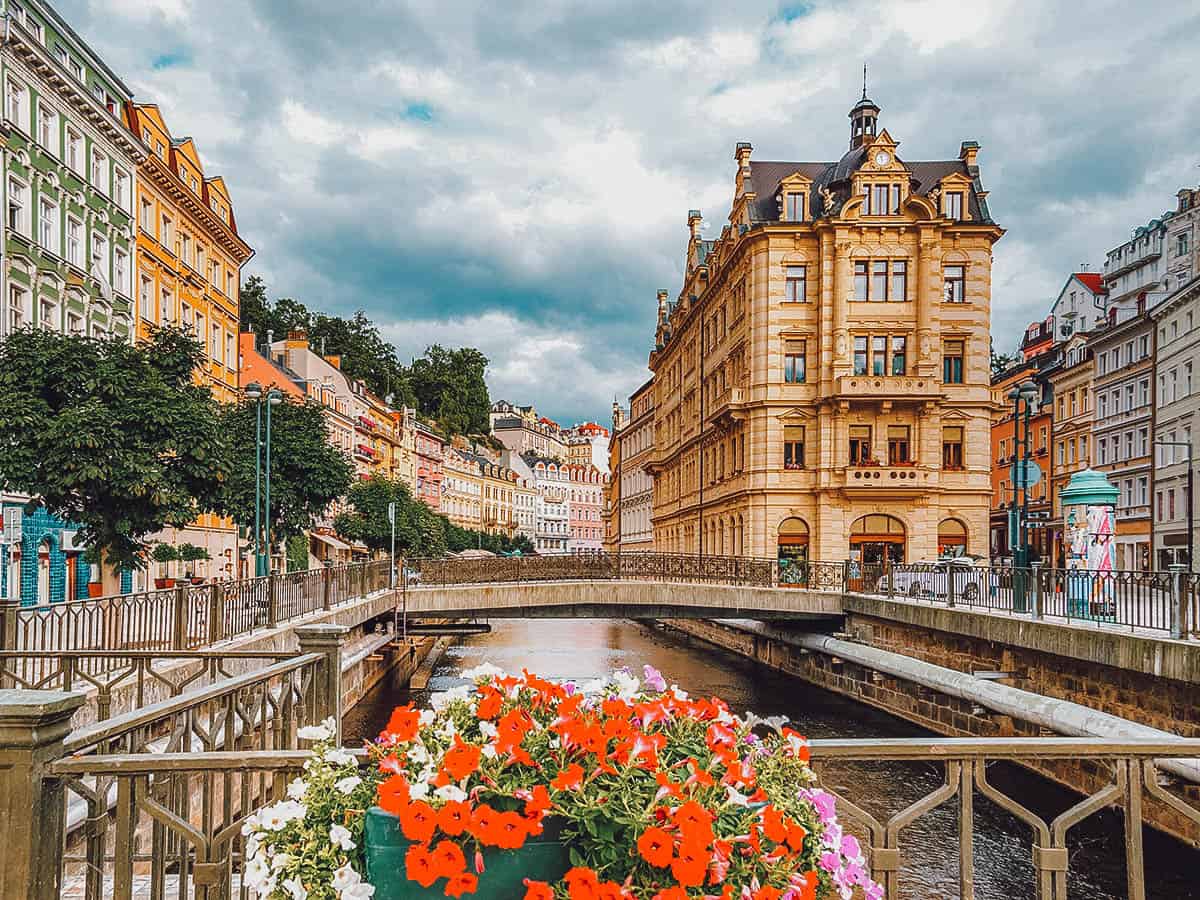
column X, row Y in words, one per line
column 864, row 96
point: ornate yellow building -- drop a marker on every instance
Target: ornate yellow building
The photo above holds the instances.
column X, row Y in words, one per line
column 187, row 273
column 821, row 384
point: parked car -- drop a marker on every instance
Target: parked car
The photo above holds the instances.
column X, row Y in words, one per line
column 411, row 577
column 931, row 579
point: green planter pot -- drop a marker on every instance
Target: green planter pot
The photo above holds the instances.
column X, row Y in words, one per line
column 543, row 858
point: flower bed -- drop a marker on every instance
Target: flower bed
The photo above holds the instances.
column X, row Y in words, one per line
column 519, row 787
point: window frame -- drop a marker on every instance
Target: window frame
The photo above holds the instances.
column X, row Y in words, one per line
column 954, row 286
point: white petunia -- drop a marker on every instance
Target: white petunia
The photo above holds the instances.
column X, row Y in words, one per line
column 360, row 891
column 488, row 730
column 627, row 685
column 735, row 797
column 253, row 842
column 418, row 754
column 275, row 817
column 419, row 790
column 596, row 686
column 340, row 837
column 488, row 751
column 483, row 670
column 344, row 878
column 252, row 823
column 296, row 789
column 255, row 873
column 295, row 889
column 427, row 717
column 339, row 756
column 322, row 732
column 281, row 861
column 680, row 693
column 449, row 730
column 451, row 793
column 348, row 784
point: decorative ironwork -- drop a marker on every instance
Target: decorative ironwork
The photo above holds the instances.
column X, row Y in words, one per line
column 180, row 816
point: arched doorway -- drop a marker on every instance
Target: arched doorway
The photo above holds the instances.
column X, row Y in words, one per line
column 877, row 540
column 793, row 551
column 952, row 538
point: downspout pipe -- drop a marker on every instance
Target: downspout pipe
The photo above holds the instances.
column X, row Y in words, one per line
column 1060, row 716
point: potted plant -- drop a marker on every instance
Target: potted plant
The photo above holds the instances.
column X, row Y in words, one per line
column 190, row 553
column 519, row 787
column 164, row 555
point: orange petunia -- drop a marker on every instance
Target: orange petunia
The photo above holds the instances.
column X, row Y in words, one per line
column 806, row 890
column 511, row 831
column 656, row 847
column 462, row 883
column 419, row 867
column 538, row 802
column 418, row 821
column 610, row 890
column 538, row 890
column 694, row 822
column 569, row 779
column 453, row 818
column 511, row 730
column 774, row 825
column 671, row 893
column 582, row 884
column 402, row 726
column 766, row 892
column 448, row 859
column 795, row 836
column 690, row 866
column 483, row 820
column 460, row 760
column 393, row 794
column 490, row 703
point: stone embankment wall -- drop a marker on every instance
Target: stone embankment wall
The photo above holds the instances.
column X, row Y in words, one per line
column 956, row 717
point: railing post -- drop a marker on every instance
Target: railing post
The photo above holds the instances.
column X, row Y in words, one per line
column 1037, row 590
column 1178, row 599
column 891, row 570
column 328, row 640
column 179, row 618
column 846, row 574
column 950, row 586
column 272, row 601
column 327, row 588
column 10, row 610
column 32, row 800
column 216, row 613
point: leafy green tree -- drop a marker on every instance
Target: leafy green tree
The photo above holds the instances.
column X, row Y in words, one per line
column 449, row 386
column 1001, row 362
column 307, row 472
column 114, row 437
column 459, row 539
column 418, row 530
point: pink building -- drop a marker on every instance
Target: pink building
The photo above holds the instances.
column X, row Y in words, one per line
column 429, row 449
column 587, row 508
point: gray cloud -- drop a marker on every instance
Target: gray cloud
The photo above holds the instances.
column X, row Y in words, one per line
column 524, row 169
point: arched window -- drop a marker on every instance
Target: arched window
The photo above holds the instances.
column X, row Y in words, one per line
column 952, row 538
column 877, row 539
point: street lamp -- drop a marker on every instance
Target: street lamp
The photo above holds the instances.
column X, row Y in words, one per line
column 1191, row 541
column 1029, row 393
column 262, row 487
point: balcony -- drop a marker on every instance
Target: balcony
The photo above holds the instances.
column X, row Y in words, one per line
column 903, row 480
column 729, row 406
column 888, row 387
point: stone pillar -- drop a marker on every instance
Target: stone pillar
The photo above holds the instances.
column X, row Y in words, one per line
column 179, row 617
column 329, row 641
column 32, row 801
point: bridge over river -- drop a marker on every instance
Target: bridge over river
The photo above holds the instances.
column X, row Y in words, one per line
column 138, row 731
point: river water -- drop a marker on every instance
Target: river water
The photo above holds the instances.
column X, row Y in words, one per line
column 586, row 648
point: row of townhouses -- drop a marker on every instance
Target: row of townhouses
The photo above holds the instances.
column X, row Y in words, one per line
column 568, row 469
column 820, row 385
column 1113, row 361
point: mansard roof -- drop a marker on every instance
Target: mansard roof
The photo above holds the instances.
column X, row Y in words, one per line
column 766, row 176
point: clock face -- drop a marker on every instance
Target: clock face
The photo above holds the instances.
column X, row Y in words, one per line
column 882, row 158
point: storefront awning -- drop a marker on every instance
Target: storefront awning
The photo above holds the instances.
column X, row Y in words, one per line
column 330, row 540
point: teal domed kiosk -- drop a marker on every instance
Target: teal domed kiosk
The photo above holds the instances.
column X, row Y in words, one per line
column 1089, row 542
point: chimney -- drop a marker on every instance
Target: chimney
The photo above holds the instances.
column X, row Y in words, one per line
column 694, row 220
column 967, row 153
column 662, row 307
column 334, row 360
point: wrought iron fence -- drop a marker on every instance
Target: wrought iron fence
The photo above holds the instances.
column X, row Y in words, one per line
column 178, row 818
column 186, row 616
column 1151, row 601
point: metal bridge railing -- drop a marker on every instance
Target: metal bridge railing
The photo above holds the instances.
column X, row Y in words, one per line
column 187, row 616
column 178, row 817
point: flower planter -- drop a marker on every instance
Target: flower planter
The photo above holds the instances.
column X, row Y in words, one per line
column 163, row 583
column 95, row 589
column 543, row 858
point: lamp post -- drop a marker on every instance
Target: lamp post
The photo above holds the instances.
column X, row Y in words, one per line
column 1191, row 536
column 262, row 486
column 1027, row 392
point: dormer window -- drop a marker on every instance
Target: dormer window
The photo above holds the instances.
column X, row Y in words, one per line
column 882, row 199
column 794, row 206
column 954, row 204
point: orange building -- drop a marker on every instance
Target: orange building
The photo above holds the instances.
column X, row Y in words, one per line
column 188, row 274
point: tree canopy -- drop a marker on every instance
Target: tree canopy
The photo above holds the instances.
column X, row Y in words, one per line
column 307, row 472
column 419, row 531
column 116, row 438
column 449, row 386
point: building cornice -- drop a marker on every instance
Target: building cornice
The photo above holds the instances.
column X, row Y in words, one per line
column 162, row 177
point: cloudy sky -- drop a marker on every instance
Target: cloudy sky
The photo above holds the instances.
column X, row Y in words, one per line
column 516, row 175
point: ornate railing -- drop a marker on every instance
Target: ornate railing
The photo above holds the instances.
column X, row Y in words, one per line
column 178, row 818
column 186, row 616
